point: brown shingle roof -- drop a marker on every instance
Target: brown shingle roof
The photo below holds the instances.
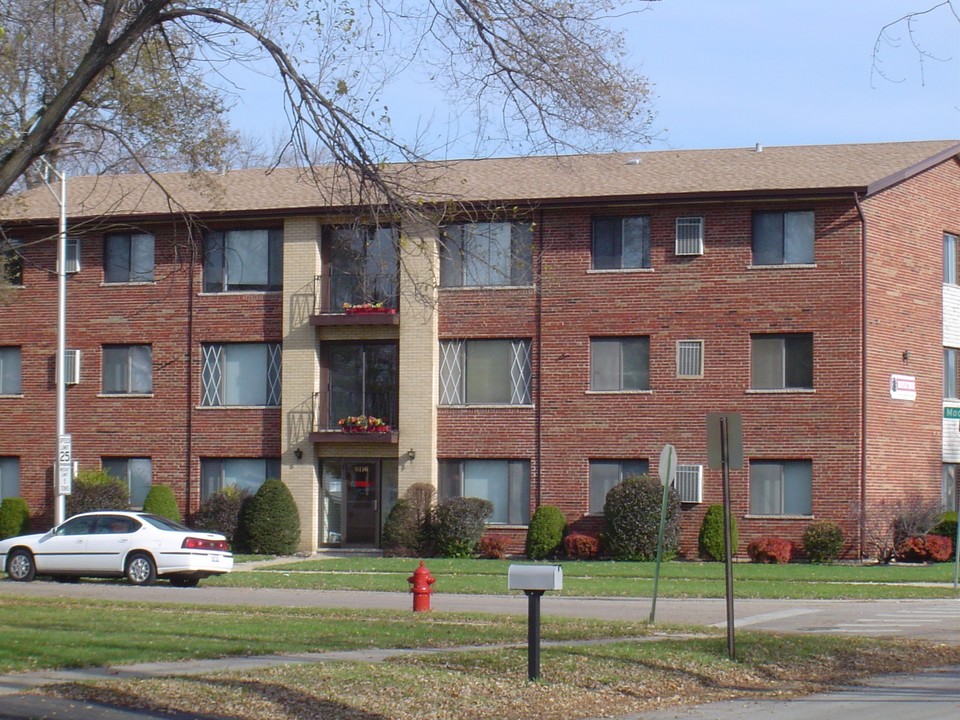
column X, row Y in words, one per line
column 817, row 169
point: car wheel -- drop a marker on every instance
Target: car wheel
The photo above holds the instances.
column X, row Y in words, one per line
column 20, row 566
column 184, row 581
column 141, row 569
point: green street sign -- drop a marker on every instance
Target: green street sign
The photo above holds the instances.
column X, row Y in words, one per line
column 951, row 413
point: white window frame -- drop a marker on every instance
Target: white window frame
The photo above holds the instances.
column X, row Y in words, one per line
column 216, row 467
column 455, row 370
column 597, row 492
column 690, row 358
column 516, row 492
column 129, row 465
column 771, row 256
column 11, row 367
column 132, row 274
column 785, row 490
column 689, row 236
column 134, row 351
column 623, row 369
column 214, row 375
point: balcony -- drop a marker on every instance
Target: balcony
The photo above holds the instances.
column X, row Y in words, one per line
column 327, row 427
column 341, row 299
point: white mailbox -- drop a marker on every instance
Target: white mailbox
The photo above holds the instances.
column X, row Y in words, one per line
column 535, row 577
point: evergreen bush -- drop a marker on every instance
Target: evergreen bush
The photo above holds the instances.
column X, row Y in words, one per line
column 161, row 501
column 14, row 517
column 97, row 490
column 632, row 514
column 221, row 511
column 456, row 526
column 545, row 532
column 822, row 541
column 711, row 540
column 270, row 521
column 401, row 531
column 946, row 526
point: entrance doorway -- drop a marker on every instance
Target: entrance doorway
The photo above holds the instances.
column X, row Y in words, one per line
column 353, row 493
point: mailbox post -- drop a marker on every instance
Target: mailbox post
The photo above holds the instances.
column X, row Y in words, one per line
column 534, row 580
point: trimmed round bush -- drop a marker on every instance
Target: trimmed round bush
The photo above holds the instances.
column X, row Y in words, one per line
column 221, row 511
column 14, row 517
column 97, row 490
column 491, row 548
column 580, row 546
column 545, row 532
column 822, row 541
column 456, row 526
column 161, row 501
column 772, row 550
column 270, row 521
column 401, row 531
column 632, row 514
column 711, row 535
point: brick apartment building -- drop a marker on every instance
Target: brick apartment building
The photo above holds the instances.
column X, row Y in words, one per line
column 543, row 339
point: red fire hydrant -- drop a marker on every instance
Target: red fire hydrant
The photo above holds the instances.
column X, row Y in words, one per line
column 421, row 580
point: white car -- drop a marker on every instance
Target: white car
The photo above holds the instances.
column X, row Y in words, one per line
column 135, row 545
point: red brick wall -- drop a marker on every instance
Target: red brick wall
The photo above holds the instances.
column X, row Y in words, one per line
column 155, row 314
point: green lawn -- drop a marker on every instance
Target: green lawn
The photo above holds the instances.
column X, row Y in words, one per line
column 614, row 579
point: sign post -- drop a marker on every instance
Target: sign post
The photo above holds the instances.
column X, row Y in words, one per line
column 64, row 465
column 725, row 450
column 668, row 473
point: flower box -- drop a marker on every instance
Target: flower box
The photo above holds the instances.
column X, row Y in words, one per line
column 363, row 424
column 368, row 309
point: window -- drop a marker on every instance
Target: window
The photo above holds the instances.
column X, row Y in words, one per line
column 606, row 474
column 10, row 382
column 11, row 260
column 486, row 254
column 137, row 473
column 127, row 370
column 485, row 372
column 9, row 477
column 781, row 487
column 243, row 260
column 689, row 483
column 128, row 258
column 241, row 374
column 950, row 259
column 781, row 362
column 689, row 240
column 362, row 380
column 690, row 358
column 621, row 242
column 363, row 266
column 244, row 473
column 949, row 492
column 783, row 238
column 951, row 373
column 620, row 364
column 505, row 483
column 72, row 259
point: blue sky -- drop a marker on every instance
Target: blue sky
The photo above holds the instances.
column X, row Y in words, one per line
column 740, row 72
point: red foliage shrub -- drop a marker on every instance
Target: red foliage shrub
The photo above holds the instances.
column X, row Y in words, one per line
column 923, row 548
column 770, row 550
column 491, row 548
column 579, row 546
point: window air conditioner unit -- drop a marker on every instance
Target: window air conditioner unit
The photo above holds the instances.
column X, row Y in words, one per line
column 689, row 483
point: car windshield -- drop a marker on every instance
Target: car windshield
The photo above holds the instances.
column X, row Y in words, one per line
column 164, row 523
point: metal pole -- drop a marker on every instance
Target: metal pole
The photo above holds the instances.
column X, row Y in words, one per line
column 656, row 572
column 727, row 540
column 533, row 633
column 60, row 499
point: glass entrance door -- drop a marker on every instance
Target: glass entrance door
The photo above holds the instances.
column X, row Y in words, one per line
column 361, row 503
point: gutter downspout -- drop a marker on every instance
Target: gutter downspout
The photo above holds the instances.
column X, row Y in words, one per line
column 862, row 514
column 538, row 289
column 189, row 356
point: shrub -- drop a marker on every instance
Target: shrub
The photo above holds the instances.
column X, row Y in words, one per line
column 270, row 521
column 97, row 490
column 632, row 514
column 221, row 511
column 401, row 531
column 580, row 546
column 545, row 532
column 456, row 526
column 822, row 541
column 916, row 517
column 892, row 521
column 420, row 497
column 924, row 548
column 14, row 517
column 491, row 547
column 947, row 525
column 161, row 501
column 711, row 539
column 770, row 550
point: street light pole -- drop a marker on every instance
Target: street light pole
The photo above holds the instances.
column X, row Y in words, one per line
column 59, row 498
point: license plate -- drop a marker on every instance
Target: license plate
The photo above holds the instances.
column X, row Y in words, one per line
column 215, row 558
